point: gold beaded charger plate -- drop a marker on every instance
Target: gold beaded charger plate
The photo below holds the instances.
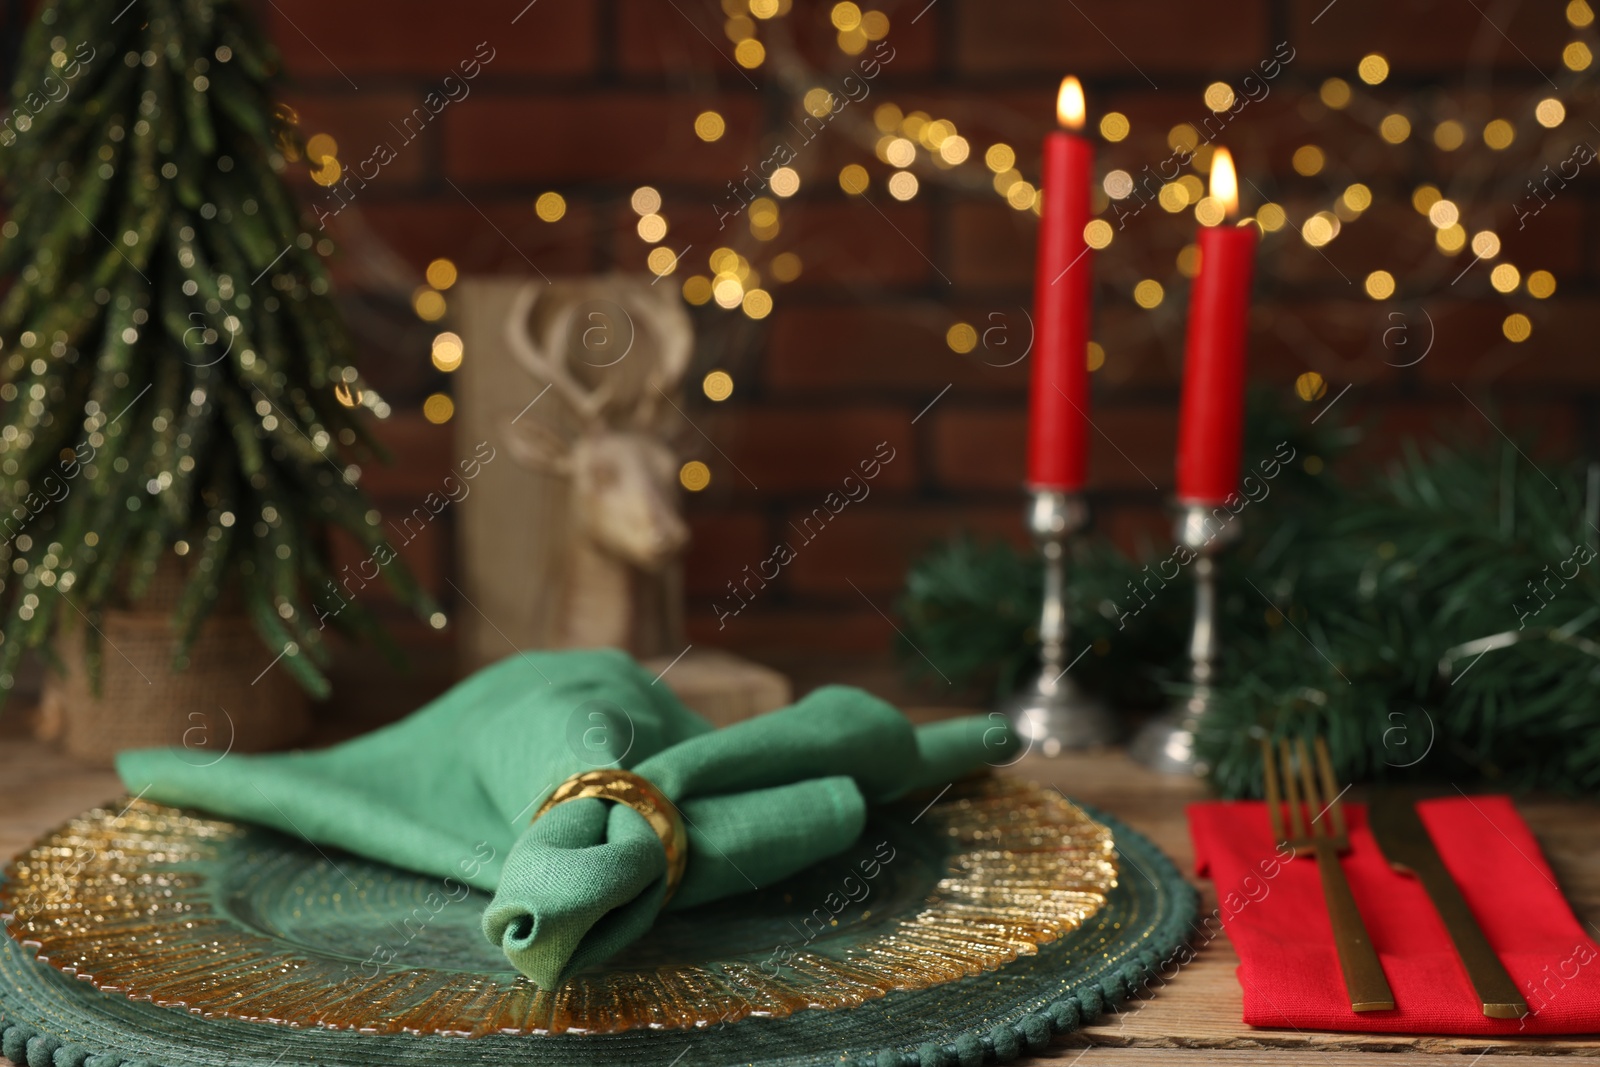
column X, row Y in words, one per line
column 147, row 933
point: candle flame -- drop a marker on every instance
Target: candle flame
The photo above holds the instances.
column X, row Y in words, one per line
column 1069, row 103
column 1224, row 182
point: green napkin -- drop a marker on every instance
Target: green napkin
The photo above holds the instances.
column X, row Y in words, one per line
column 449, row 791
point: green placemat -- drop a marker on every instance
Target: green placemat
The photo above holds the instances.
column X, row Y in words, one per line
column 48, row 1019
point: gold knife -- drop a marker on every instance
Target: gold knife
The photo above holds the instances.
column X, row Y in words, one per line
column 1405, row 843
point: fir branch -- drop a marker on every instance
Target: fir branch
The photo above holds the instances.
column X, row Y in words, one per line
column 1439, row 622
column 171, row 343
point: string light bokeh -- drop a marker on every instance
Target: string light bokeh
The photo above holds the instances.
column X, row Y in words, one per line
column 905, row 151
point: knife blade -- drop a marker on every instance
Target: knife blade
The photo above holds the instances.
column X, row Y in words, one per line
column 1406, row 845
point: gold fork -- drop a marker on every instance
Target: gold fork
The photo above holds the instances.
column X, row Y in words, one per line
column 1363, row 974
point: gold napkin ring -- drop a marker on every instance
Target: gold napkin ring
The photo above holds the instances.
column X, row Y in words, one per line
column 625, row 787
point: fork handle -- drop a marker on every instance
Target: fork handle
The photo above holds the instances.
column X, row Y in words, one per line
column 1363, row 974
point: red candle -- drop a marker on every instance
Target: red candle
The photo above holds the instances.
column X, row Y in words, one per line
column 1058, row 409
column 1211, row 421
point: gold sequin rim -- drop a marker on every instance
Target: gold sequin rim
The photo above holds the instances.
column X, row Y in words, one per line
column 112, row 898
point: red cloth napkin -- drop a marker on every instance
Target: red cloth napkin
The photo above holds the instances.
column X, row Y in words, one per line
column 1273, row 910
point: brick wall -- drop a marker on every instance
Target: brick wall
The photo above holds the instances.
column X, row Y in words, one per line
column 592, row 98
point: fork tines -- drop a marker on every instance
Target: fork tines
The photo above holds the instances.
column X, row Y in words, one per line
column 1299, row 784
column 1364, row 979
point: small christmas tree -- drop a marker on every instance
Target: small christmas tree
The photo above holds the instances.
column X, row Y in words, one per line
column 174, row 376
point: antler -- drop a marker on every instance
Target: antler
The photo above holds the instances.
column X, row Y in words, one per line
column 677, row 345
column 535, row 445
column 586, row 404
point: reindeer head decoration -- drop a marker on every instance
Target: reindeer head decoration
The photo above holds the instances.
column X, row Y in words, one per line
column 632, row 349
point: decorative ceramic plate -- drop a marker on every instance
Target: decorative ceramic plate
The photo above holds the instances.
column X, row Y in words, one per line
column 156, row 909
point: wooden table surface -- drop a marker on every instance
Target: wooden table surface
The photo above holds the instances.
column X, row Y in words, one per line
column 1192, row 1021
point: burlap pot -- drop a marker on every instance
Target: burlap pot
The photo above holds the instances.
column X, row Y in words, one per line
column 226, row 699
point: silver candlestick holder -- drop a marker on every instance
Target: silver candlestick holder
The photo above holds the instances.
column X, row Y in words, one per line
column 1052, row 712
column 1166, row 742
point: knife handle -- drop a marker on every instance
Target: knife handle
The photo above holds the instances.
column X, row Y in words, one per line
column 1497, row 993
column 1364, row 980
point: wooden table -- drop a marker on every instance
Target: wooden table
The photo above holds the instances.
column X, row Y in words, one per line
column 1193, row 1021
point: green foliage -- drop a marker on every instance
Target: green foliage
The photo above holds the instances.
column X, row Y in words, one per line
column 974, row 609
column 1440, row 626
column 173, row 352
column 1436, row 623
